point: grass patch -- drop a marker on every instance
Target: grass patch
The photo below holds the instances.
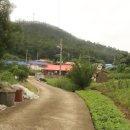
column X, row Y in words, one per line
column 29, row 86
column 119, row 76
column 104, row 113
column 62, row 82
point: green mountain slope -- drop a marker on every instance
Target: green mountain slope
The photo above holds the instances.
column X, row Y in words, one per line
column 44, row 38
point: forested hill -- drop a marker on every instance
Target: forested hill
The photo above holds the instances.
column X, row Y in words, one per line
column 44, row 38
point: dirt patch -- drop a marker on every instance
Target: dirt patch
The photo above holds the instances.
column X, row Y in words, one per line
column 124, row 110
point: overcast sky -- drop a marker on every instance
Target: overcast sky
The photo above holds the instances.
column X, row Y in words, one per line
column 102, row 21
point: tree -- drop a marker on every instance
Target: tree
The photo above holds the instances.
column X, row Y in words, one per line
column 43, row 38
column 81, row 74
column 5, row 9
column 20, row 71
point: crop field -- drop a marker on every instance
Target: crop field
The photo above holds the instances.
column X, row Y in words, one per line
column 118, row 90
column 104, row 113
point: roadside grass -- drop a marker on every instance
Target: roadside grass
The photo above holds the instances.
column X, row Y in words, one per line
column 29, row 86
column 63, row 83
column 104, row 113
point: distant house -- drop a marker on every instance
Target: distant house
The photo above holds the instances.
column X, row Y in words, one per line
column 69, row 63
column 37, row 65
column 52, row 69
column 15, row 62
column 44, row 60
column 108, row 65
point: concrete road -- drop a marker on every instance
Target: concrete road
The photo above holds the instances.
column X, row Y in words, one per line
column 56, row 109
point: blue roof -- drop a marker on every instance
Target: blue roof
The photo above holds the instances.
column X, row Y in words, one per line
column 24, row 63
column 16, row 62
column 21, row 62
column 37, row 63
column 108, row 65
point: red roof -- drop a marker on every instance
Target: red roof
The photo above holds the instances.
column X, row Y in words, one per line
column 52, row 67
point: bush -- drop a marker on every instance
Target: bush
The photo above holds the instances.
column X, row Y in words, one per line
column 21, row 74
column 23, row 67
column 121, row 68
column 81, row 74
column 104, row 113
column 20, row 71
column 7, row 76
column 127, row 70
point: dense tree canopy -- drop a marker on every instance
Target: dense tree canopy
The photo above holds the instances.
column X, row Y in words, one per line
column 5, row 8
column 43, row 39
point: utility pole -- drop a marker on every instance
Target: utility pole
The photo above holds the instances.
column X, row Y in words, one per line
column 60, row 56
column 26, row 56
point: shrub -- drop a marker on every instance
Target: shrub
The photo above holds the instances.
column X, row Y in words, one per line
column 121, row 67
column 23, row 67
column 20, row 71
column 7, row 76
column 127, row 70
column 21, row 74
column 81, row 74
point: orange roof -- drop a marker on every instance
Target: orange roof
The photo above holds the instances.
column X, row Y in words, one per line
column 52, row 67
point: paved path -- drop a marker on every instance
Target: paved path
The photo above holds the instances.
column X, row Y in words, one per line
column 56, row 109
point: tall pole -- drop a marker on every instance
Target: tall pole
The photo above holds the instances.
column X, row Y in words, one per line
column 60, row 56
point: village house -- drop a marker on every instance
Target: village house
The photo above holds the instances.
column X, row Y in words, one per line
column 52, row 69
column 37, row 65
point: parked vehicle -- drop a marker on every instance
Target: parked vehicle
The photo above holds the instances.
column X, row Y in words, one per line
column 40, row 76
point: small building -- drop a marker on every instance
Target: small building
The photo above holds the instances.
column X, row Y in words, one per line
column 101, row 76
column 108, row 65
column 37, row 65
column 7, row 94
column 69, row 63
column 16, row 62
column 52, row 69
